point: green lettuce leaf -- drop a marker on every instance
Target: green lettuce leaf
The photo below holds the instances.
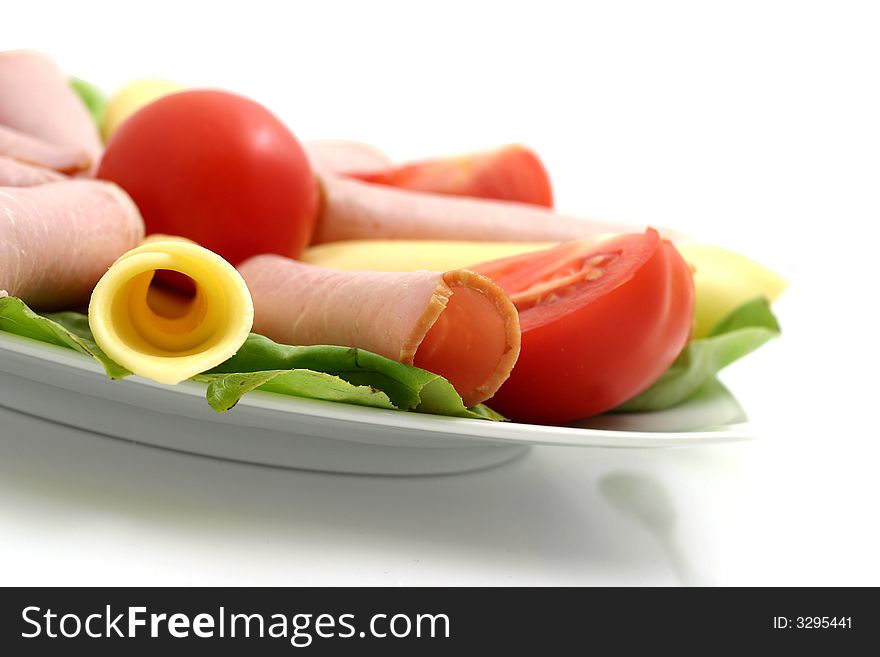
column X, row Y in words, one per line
column 402, row 386
column 224, row 390
column 330, row 373
column 740, row 333
column 67, row 329
column 92, row 97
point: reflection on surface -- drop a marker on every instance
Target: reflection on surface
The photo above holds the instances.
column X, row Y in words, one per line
column 98, row 510
column 644, row 499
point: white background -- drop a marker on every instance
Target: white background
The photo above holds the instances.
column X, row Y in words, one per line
column 755, row 125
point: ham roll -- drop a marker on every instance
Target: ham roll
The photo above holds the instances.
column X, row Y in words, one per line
column 18, row 174
column 458, row 324
column 343, row 156
column 30, row 150
column 353, row 210
column 36, row 99
column 58, row 239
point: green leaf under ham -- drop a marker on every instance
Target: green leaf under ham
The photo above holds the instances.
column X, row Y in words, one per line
column 330, row 373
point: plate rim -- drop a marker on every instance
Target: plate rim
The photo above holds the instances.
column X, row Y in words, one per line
column 499, row 432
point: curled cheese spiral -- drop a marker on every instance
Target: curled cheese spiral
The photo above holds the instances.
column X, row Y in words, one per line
column 163, row 335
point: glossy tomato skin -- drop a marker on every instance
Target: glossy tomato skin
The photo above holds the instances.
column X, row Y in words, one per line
column 509, row 173
column 219, row 169
column 590, row 351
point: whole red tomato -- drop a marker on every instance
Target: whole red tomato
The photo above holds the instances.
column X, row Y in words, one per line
column 601, row 320
column 219, row 169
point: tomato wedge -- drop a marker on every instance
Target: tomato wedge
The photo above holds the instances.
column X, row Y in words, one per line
column 509, row 173
column 601, row 320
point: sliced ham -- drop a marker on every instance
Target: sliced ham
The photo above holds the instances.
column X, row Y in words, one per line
column 457, row 324
column 31, row 150
column 58, row 239
column 18, row 174
column 36, row 99
column 343, row 156
column 352, row 210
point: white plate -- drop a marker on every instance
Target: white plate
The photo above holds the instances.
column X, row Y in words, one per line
column 66, row 387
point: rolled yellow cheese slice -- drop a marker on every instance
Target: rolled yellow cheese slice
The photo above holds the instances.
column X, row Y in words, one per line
column 162, row 334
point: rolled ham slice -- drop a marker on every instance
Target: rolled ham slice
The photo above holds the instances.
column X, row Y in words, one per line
column 458, row 324
column 58, row 239
column 18, row 174
column 36, row 99
column 352, row 210
column 343, row 156
column 30, row 150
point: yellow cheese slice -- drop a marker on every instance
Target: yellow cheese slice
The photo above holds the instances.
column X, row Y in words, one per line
column 161, row 334
column 130, row 98
column 410, row 255
column 723, row 281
